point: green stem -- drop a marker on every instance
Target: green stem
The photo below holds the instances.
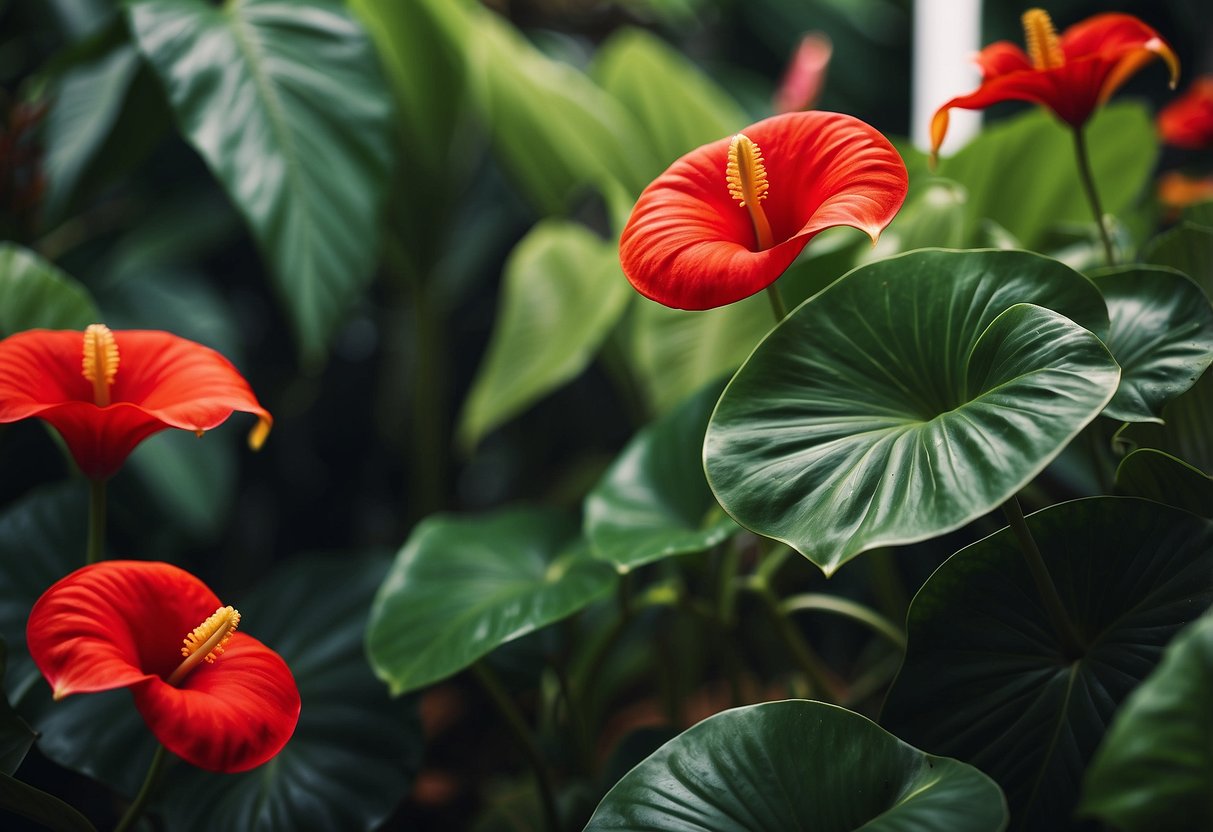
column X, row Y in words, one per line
column 805, row 657
column 96, row 521
column 849, row 609
column 135, row 810
column 777, row 304
column 522, row 733
column 1088, row 184
column 1071, row 644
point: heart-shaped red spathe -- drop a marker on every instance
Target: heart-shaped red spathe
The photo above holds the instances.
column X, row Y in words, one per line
column 690, row 245
column 121, row 624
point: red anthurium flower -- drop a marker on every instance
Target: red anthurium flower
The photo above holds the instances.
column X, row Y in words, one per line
column 806, row 74
column 1188, row 120
column 219, row 699
column 105, row 392
column 1071, row 74
column 727, row 219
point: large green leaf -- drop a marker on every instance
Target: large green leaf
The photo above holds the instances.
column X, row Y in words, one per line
column 285, row 103
column 355, row 751
column 34, row 294
column 677, row 107
column 462, row 586
column 1161, row 335
column 1022, row 173
column 1185, row 430
column 654, row 502
column 1158, row 476
column 563, row 291
column 907, row 399
column 797, row 765
column 1187, row 247
column 985, row 679
column 1154, row 771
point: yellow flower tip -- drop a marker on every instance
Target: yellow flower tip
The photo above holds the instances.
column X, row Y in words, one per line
column 199, row 432
column 206, row 642
column 746, row 172
column 1044, row 47
column 99, row 364
column 1160, row 48
column 257, row 436
column 59, row 694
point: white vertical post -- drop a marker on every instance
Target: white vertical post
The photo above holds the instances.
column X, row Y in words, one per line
column 947, row 34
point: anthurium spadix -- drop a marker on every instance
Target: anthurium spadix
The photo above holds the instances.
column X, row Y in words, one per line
column 727, row 219
column 219, row 699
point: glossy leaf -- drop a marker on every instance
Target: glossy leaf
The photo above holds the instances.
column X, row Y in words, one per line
column 562, row 293
column 1161, row 335
column 462, row 586
column 1185, row 430
column 797, row 765
column 1187, row 247
column 1152, row 773
column 1022, row 173
column 355, row 751
column 653, row 502
column 35, row 294
column 907, row 399
column 1158, row 476
column 984, row 678
column 285, row 104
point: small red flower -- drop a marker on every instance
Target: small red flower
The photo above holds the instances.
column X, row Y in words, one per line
column 806, row 74
column 1188, row 120
column 105, row 392
column 219, row 699
column 727, row 219
column 1071, row 75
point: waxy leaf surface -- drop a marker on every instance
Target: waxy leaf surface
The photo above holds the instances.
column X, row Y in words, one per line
column 909, row 398
column 36, row 294
column 984, row 678
column 1185, row 430
column 1187, row 247
column 797, row 765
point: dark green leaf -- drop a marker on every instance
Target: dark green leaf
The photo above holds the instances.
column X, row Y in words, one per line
column 907, row 399
column 984, row 678
column 654, row 502
column 15, row 735
column 47, row 810
column 563, row 291
column 1187, row 247
column 1185, row 430
column 285, row 104
column 1161, row 335
column 462, row 586
column 797, row 765
column 1158, row 476
column 1154, row 771
column 34, row 294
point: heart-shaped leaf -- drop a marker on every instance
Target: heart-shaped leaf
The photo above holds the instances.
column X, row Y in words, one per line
column 1154, row 771
column 1158, row 476
column 462, row 586
column 654, row 502
column 285, row 103
column 35, row 294
column 1161, row 335
column 797, row 765
column 1187, row 247
column 907, row 399
column 984, row 678
column 562, row 293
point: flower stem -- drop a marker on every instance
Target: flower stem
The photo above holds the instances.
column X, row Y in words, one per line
column 1088, row 184
column 96, row 521
column 522, row 733
column 1071, row 644
column 777, row 304
column 135, row 810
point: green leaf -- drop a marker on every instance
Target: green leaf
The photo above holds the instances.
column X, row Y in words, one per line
column 1022, row 172
column 35, row 294
column 1160, row 477
column 1187, row 247
column 15, row 735
column 1154, row 771
column 984, row 678
column 797, row 765
column 677, row 107
column 654, row 502
column 463, row 586
column 44, row 809
column 935, row 214
column 285, row 103
column 1199, row 213
column 1185, row 430
column 356, row 750
column 563, row 291
column 1161, row 335
column 907, row 399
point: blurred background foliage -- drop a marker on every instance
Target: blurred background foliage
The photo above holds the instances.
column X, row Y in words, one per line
column 398, row 220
